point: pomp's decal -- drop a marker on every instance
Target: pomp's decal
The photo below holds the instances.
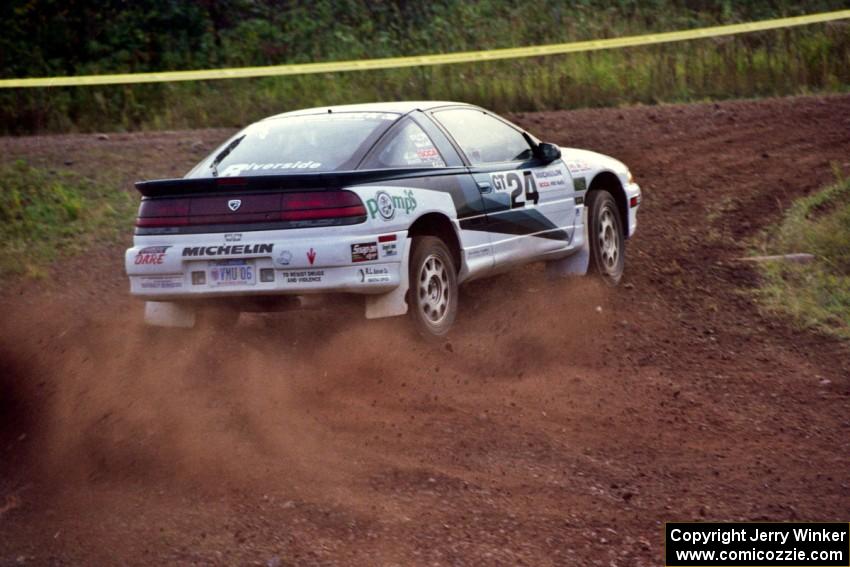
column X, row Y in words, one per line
column 228, row 250
column 386, row 205
column 382, row 204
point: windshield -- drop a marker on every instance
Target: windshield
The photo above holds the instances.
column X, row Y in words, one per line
column 297, row 144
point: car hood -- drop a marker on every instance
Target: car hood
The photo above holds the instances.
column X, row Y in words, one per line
column 586, row 159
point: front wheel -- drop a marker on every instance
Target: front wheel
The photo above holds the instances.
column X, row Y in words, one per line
column 607, row 242
column 432, row 299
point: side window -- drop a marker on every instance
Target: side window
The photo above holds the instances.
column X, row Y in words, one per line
column 482, row 138
column 408, row 146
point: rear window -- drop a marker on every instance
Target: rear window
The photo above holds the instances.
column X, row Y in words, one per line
column 297, row 144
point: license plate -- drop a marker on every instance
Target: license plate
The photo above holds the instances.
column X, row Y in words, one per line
column 233, row 272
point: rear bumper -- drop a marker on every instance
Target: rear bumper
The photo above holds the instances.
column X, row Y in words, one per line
column 192, row 268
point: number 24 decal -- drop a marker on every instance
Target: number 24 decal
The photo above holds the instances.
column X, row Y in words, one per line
column 523, row 188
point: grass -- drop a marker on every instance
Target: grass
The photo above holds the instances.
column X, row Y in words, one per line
column 804, row 60
column 816, row 295
column 45, row 216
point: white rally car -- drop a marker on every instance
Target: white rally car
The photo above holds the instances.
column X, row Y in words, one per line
column 398, row 202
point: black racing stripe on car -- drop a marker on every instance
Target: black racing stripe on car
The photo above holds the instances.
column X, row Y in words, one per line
column 520, row 222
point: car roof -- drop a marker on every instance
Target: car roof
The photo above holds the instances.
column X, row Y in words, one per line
column 399, row 107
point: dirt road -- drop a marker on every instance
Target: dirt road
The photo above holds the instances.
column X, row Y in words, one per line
column 561, row 424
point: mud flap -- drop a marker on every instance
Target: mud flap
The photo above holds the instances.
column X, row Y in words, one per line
column 392, row 304
column 575, row 264
column 169, row 314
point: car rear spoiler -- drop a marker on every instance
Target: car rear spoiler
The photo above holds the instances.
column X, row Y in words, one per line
column 295, row 181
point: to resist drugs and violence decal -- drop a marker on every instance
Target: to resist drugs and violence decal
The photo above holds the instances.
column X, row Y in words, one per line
column 304, row 276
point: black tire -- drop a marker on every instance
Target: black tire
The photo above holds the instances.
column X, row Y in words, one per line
column 607, row 240
column 432, row 299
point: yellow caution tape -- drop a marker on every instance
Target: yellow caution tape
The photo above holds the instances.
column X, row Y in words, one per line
column 423, row 60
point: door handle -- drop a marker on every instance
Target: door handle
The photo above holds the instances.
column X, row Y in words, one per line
column 484, row 186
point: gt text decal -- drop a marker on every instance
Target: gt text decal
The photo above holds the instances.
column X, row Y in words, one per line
column 520, row 185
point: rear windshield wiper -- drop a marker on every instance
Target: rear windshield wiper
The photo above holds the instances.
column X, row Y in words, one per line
column 224, row 153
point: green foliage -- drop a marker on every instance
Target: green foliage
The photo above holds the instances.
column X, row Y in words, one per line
column 45, row 215
column 818, row 294
column 52, row 37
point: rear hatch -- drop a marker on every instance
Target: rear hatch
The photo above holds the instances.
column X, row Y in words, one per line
column 193, row 206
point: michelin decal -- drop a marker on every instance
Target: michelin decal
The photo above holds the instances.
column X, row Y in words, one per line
column 228, row 250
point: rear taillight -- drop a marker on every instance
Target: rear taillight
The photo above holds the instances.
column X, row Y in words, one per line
column 321, row 205
column 163, row 212
column 250, row 209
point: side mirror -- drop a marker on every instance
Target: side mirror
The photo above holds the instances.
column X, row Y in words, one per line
column 547, row 153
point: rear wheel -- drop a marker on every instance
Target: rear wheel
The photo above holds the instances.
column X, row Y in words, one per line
column 432, row 299
column 607, row 242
